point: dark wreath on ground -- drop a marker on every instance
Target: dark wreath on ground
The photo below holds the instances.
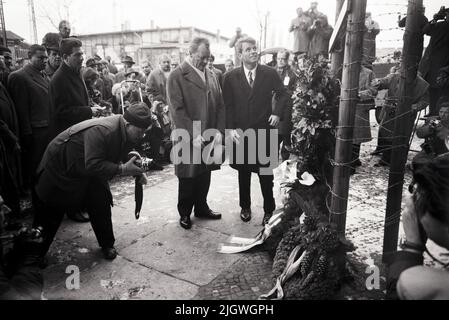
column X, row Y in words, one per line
column 309, row 256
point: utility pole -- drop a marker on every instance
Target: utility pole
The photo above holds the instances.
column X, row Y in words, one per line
column 2, row 25
column 265, row 29
column 33, row 27
column 348, row 104
column 338, row 54
column 410, row 59
column 114, row 16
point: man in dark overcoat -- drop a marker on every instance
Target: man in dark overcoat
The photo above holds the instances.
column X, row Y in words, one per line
column 196, row 105
column 11, row 177
column 435, row 58
column 29, row 90
column 289, row 80
column 157, row 80
column 77, row 166
column 69, row 97
column 248, row 94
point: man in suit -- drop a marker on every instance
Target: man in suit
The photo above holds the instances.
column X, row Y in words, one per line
column 196, row 105
column 76, row 168
column 157, row 81
column 69, row 99
column 29, row 90
column 289, row 79
column 248, row 95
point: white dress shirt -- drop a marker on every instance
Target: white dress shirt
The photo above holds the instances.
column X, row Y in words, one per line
column 253, row 72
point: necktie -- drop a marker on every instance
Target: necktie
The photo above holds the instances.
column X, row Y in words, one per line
column 251, row 80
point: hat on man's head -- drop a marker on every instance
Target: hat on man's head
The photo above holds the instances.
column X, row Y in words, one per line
column 51, row 41
column 91, row 63
column 139, row 115
column 128, row 59
column 97, row 58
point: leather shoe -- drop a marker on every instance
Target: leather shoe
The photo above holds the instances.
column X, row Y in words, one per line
column 78, row 216
column 245, row 215
column 109, row 253
column 186, row 223
column 210, row 215
column 266, row 218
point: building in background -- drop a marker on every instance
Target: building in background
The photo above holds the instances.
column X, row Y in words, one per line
column 16, row 43
column 150, row 43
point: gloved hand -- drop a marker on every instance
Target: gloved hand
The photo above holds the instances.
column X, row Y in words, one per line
column 130, row 168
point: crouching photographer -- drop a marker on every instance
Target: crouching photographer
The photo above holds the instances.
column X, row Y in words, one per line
column 426, row 217
column 20, row 275
column 435, row 131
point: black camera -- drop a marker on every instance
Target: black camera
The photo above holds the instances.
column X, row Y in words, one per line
column 441, row 15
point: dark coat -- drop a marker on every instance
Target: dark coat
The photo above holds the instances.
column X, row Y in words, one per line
column 219, row 74
column 369, row 42
column 89, row 150
column 157, row 83
column 251, row 108
column 189, row 100
column 29, row 89
column 69, row 100
column 8, row 111
column 299, row 27
column 437, row 53
column 289, row 79
column 319, row 43
column 11, row 127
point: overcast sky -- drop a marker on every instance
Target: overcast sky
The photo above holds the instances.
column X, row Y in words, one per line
column 92, row 16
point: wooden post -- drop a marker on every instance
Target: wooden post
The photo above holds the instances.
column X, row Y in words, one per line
column 338, row 54
column 409, row 67
column 348, row 104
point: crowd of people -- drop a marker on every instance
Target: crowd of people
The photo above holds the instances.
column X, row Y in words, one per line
column 67, row 125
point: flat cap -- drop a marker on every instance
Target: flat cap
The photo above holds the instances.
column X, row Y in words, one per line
column 139, row 115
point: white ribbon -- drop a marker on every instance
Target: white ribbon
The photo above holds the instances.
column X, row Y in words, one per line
column 239, row 245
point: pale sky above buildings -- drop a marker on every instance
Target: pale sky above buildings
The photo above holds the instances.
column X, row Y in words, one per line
column 96, row 16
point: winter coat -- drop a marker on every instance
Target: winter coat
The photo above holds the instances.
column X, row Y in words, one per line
column 299, row 27
column 251, row 108
column 191, row 99
column 89, row 150
column 69, row 100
